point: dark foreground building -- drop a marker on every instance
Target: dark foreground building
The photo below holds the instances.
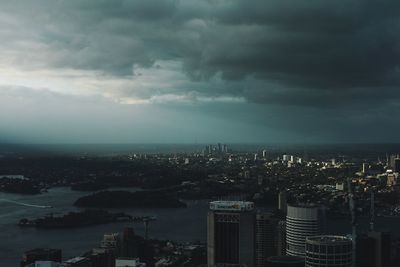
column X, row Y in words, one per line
column 285, row 261
column 41, row 254
column 329, row 250
column 231, row 228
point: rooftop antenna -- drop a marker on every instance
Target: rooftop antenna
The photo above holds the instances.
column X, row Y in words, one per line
column 372, row 219
column 146, row 229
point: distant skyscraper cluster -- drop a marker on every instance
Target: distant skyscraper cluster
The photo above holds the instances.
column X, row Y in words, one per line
column 216, row 150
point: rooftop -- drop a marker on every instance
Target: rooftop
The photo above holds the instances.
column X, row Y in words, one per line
column 232, row 205
column 328, row 239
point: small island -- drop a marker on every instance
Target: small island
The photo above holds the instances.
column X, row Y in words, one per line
column 126, row 199
column 19, row 185
column 77, row 219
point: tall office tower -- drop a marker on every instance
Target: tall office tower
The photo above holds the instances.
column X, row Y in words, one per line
column 111, row 246
column 392, row 161
column 381, row 247
column 230, row 236
column 264, row 154
column 365, row 251
column 282, row 203
column 225, row 148
column 219, row 148
column 103, row 257
column 285, row 261
column 265, row 238
column 301, row 221
column 111, row 242
column 329, row 250
column 396, row 167
column 40, row 254
column 364, row 168
column 281, row 238
column 99, row 258
column 130, row 243
column 391, row 179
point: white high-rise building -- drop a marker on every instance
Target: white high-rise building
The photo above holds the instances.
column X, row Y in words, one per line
column 264, row 154
column 302, row 221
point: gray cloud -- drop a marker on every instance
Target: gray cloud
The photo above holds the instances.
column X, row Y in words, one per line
column 335, row 63
column 309, row 44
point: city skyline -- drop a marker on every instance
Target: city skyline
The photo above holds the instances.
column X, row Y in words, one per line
column 198, row 71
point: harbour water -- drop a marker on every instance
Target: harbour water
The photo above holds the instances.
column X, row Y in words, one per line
column 182, row 225
column 187, row 224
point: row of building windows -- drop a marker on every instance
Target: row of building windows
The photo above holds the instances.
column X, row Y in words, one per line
column 336, row 249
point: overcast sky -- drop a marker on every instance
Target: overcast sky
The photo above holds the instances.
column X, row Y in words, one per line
column 185, row 71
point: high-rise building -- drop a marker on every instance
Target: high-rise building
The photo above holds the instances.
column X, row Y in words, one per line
column 326, row 250
column 103, row 257
column 231, row 235
column 302, row 221
column 285, row 261
column 265, row 238
column 364, row 167
column 99, row 257
column 111, row 242
column 391, row 179
column 281, row 238
column 264, row 154
column 225, row 148
column 41, row 254
column 365, row 251
column 391, row 163
column 129, row 243
column 396, row 167
column 282, row 202
column 381, row 242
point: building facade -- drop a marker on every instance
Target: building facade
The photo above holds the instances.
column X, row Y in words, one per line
column 265, row 246
column 231, row 233
column 302, row 221
column 285, row 261
column 328, row 251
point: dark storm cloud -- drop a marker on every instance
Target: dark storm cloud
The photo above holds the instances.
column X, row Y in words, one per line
column 288, row 48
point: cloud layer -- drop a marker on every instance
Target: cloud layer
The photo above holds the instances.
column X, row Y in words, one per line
column 320, row 60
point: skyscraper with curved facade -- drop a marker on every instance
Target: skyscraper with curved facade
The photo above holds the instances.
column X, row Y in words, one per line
column 328, row 250
column 302, row 221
